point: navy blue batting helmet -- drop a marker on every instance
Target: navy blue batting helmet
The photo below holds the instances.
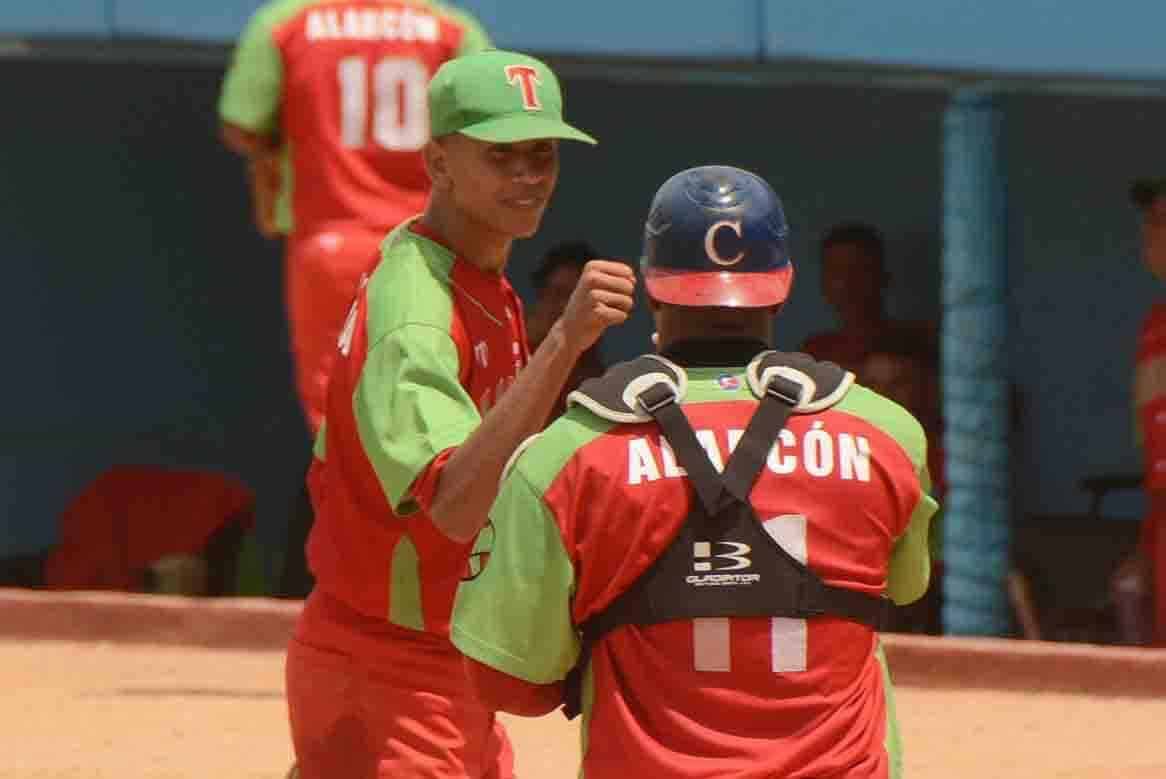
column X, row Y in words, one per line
column 717, row 236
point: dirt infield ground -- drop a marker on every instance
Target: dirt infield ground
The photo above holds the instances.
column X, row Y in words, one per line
column 206, row 701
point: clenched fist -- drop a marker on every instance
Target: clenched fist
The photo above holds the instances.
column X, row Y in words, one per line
column 603, row 297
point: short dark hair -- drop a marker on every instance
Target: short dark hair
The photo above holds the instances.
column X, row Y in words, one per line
column 1144, row 192
column 574, row 254
column 860, row 234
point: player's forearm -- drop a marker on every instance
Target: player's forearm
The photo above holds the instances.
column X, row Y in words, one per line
column 469, row 481
column 246, row 142
column 266, row 180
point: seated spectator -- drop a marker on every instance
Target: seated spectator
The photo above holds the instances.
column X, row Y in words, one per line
column 149, row 528
column 854, row 280
column 554, row 279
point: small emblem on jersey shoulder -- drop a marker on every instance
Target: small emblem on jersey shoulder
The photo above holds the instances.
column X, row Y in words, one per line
column 728, row 382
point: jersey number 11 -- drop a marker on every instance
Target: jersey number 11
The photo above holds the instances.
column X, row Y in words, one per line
column 788, row 636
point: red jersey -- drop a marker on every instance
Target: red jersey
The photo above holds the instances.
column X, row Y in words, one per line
column 430, row 344
column 343, row 84
column 589, row 505
column 1150, row 394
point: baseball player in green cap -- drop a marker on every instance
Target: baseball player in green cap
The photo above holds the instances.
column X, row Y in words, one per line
column 432, row 391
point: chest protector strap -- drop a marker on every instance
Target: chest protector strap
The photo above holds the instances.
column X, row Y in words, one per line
column 724, row 562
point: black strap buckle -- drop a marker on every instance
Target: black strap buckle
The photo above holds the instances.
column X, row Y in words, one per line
column 785, row 389
column 655, row 398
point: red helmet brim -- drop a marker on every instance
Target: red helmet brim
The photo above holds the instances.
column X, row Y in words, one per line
column 719, row 288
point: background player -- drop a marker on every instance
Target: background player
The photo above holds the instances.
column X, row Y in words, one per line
column 426, row 404
column 336, row 90
column 1143, row 576
column 340, row 86
column 592, row 503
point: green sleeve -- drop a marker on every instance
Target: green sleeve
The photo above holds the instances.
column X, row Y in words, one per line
column 253, row 85
column 409, row 406
column 474, row 37
column 893, row 741
column 910, row 568
column 320, row 445
column 515, row 615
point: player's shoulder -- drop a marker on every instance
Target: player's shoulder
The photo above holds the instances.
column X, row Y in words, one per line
column 451, row 13
column 545, row 457
column 275, row 12
column 411, row 283
column 888, row 417
column 1155, row 317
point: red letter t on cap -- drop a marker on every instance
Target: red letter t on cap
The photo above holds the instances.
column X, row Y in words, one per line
column 527, row 79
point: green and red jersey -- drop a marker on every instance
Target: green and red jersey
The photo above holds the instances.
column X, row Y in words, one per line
column 589, row 505
column 430, row 344
column 1150, row 394
column 343, row 84
column 1150, row 422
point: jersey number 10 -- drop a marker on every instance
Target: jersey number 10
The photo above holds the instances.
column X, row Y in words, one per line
column 400, row 119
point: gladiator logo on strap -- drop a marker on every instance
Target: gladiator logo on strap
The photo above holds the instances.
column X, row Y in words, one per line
column 526, row 79
column 713, row 568
column 710, row 242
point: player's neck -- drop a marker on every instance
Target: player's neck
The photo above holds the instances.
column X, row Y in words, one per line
column 468, row 238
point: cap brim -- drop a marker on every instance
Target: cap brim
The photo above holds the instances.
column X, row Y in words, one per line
column 524, row 127
column 719, row 288
column 1144, row 192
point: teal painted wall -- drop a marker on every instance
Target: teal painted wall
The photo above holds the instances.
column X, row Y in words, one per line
column 1118, row 39
column 144, row 317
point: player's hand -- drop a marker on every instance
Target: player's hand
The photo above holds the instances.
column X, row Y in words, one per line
column 603, row 297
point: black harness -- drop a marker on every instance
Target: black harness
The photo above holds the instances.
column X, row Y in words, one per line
column 758, row 578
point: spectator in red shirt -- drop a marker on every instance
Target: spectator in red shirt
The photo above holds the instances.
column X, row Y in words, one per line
column 854, row 282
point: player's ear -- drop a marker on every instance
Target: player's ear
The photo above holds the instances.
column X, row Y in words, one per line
column 436, row 162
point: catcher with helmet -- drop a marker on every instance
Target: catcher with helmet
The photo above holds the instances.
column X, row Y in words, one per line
column 699, row 555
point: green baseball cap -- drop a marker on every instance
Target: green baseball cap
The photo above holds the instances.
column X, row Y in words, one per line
column 499, row 97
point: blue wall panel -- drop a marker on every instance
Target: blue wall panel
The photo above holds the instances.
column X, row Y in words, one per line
column 648, row 28
column 55, row 19
column 147, row 316
column 217, row 21
column 655, row 28
column 1121, row 38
